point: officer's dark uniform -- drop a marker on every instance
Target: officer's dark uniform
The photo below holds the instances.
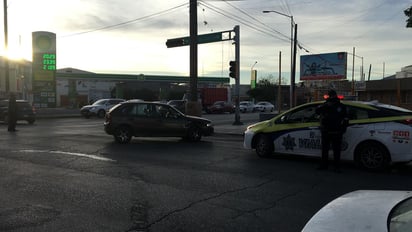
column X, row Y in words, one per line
column 333, row 123
column 12, row 114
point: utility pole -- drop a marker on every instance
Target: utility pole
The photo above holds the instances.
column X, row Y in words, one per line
column 193, row 106
column 353, row 72
column 237, row 79
column 292, row 81
column 6, row 40
column 369, row 74
column 280, row 83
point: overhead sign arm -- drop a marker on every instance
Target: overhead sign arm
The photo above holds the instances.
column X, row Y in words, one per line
column 201, row 39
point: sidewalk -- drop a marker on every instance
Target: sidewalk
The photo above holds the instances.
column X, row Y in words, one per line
column 226, row 128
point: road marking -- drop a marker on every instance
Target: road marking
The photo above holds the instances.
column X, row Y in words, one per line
column 69, row 153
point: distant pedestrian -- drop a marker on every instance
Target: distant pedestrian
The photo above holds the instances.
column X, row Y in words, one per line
column 333, row 123
column 12, row 113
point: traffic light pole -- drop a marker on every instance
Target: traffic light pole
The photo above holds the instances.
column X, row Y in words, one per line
column 193, row 106
column 237, row 79
column 6, row 58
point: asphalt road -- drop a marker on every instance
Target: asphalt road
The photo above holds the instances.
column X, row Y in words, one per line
column 67, row 175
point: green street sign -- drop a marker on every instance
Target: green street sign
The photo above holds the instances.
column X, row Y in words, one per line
column 201, row 39
column 209, row 38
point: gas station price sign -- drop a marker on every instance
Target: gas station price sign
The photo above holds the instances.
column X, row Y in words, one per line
column 44, row 69
column 49, row 61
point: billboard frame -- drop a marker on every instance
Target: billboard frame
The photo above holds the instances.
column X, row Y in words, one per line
column 326, row 66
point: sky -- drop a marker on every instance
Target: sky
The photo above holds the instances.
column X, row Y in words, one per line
column 128, row 36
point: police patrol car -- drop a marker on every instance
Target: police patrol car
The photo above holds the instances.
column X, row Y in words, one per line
column 377, row 136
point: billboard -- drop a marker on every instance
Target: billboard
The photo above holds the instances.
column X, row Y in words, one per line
column 44, row 69
column 328, row 66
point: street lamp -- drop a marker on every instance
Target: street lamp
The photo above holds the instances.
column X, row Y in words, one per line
column 292, row 78
column 253, row 65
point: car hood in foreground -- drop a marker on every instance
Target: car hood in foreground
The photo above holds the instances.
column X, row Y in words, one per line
column 362, row 210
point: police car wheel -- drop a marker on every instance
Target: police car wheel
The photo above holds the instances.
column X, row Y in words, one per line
column 264, row 146
column 372, row 156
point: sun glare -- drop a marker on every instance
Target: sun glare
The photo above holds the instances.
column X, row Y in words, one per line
column 14, row 55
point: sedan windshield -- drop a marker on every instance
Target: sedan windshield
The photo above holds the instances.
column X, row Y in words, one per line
column 99, row 102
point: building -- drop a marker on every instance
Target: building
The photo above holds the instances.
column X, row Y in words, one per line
column 394, row 90
column 75, row 88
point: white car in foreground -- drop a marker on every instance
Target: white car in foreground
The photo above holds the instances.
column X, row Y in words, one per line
column 365, row 211
column 378, row 134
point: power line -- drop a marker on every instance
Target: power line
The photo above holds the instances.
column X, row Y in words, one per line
column 255, row 19
column 127, row 22
column 246, row 22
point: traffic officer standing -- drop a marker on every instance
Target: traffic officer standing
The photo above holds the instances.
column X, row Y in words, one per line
column 333, row 123
column 12, row 113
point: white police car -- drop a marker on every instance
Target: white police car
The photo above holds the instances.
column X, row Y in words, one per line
column 378, row 134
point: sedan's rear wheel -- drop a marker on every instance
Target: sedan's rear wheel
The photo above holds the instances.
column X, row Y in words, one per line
column 101, row 113
column 123, row 135
column 372, row 156
column 264, row 146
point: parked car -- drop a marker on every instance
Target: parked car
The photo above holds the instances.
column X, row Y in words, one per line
column 365, row 210
column 246, row 106
column 100, row 107
column 378, row 135
column 149, row 119
column 264, row 106
column 25, row 111
column 220, row 107
column 178, row 104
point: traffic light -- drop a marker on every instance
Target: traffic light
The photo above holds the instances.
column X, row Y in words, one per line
column 232, row 69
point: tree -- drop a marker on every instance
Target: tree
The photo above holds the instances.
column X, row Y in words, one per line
column 408, row 13
column 265, row 90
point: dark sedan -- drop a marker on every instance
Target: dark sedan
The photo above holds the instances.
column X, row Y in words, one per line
column 149, row 119
column 25, row 111
column 221, row 107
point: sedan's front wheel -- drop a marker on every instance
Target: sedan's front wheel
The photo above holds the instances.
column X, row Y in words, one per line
column 194, row 134
column 123, row 135
column 264, row 146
